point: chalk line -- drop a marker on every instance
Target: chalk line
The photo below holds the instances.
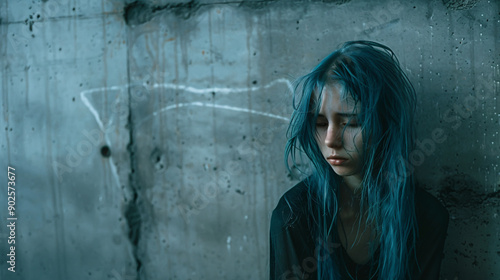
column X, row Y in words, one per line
column 218, row 90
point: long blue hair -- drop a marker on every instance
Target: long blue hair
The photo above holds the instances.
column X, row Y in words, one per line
column 370, row 73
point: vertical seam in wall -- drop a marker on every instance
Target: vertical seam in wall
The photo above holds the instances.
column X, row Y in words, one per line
column 58, row 218
column 132, row 213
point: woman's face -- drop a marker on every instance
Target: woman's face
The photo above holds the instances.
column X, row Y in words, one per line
column 334, row 115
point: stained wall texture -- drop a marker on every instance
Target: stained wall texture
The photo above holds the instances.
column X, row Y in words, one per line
column 147, row 137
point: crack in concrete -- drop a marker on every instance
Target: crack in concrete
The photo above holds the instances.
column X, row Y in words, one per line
column 138, row 12
column 460, row 4
column 460, row 190
column 133, row 217
column 132, row 211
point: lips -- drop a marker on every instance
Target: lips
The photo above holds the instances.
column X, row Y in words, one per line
column 336, row 160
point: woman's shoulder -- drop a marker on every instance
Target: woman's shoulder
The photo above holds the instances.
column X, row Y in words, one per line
column 432, row 222
column 429, row 210
column 291, row 206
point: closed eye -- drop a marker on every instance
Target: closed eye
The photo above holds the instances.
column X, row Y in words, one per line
column 321, row 124
column 350, row 124
column 321, row 121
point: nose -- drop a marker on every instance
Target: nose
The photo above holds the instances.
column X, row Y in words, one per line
column 333, row 137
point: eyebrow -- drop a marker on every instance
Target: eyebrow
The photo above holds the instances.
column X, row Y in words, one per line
column 340, row 114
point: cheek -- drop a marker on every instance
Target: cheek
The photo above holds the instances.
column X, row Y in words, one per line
column 358, row 140
column 320, row 135
column 359, row 144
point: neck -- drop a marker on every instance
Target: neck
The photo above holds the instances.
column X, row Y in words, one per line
column 353, row 183
column 350, row 196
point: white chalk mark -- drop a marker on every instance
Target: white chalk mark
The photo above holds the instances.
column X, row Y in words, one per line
column 225, row 90
column 97, row 118
column 101, row 89
column 91, row 108
column 218, row 90
column 228, row 241
column 201, row 104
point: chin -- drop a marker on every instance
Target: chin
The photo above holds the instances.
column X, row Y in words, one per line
column 343, row 171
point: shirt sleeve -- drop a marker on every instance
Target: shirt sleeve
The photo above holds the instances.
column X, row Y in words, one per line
column 292, row 253
column 433, row 221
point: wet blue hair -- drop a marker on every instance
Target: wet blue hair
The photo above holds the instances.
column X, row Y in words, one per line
column 370, row 74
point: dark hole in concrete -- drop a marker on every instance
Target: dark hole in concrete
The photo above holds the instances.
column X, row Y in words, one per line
column 240, row 191
column 105, row 151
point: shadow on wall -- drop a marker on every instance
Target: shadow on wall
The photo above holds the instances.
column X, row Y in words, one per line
column 460, row 191
column 470, row 226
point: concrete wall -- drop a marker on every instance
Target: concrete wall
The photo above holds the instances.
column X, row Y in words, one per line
column 147, row 137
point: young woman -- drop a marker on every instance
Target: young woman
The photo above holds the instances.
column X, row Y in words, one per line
column 359, row 214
